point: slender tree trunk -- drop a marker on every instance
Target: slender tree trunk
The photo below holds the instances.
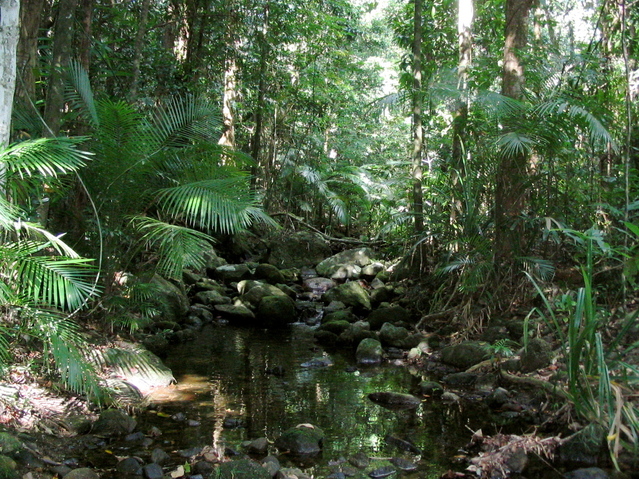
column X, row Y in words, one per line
column 418, row 130
column 510, row 197
column 230, row 78
column 256, row 143
column 84, row 44
column 62, row 44
column 30, row 14
column 9, row 34
column 139, row 42
column 460, row 115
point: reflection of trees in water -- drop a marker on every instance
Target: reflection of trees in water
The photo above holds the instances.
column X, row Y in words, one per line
column 238, row 362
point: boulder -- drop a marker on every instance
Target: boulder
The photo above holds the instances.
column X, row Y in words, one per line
column 114, row 422
column 357, row 332
column 336, row 326
column 82, row 473
column 369, row 351
column 392, row 314
column 253, row 296
column 269, row 273
column 212, row 260
column 303, row 439
column 8, row 468
column 370, row 271
column 230, row 273
column 171, row 300
column 318, row 285
column 297, row 250
column 237, row 312
column 465, row 355
column 276, row 311
column 339, row 315
column 211, row 298
column 397, row 337
column 341, row 273
column 587, row 473
column 351, row 294
column 537, row 355
column 358, row 256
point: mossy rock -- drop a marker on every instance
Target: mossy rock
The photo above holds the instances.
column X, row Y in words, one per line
column 340, row 315
column 369, row 351
column 351, row 294
column 301, row 440
column 465, row 355
column 8, row 468
column 241, row 469
column 9, row 444
column 336, row 327
column 276, row 311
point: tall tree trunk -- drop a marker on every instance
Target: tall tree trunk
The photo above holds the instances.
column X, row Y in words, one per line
column 30, row 14
column 510, row 197
column 62, row 44
column 9, row 34
column 230, row 78
column 256, row 143
column 460, row 116
column 139, row 42
column 84, row 44
column 418, row 130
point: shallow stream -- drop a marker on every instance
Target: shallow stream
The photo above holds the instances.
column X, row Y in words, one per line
column 236, row 385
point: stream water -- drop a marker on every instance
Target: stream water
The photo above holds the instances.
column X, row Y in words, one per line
column 236, row 385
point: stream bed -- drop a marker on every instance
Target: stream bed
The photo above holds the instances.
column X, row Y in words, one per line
column 236, row 385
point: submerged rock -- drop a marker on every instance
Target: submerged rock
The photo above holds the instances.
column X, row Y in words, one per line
column 303, row 439
column 114, row 422
column 402, row 444
column 241, row 469
column 394, row 400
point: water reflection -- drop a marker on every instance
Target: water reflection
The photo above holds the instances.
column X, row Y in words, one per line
column 256, row 378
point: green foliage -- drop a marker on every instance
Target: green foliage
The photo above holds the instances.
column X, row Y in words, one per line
column 43, row 280
column 593, row 370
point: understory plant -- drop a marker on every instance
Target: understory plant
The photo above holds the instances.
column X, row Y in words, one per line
column 600, row 380
column 43, row 282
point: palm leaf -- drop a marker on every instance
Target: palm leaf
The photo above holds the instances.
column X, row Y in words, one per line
column 81, row 96
column 183, row 121
column 57, row 281
column 217, row 204
column 47, row 157
column 178, row 247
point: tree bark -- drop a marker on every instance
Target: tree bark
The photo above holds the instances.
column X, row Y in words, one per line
column 9, row 34
column 418, row 131
column 84, row 44
column 62, row 44
column 30, row 13
column 139, row 42
column 510, row 197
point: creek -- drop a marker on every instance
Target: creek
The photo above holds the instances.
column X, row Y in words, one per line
column 239, row 384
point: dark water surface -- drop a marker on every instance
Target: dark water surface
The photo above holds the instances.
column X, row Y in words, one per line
column 227, row 373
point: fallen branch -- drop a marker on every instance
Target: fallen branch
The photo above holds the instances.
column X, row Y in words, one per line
column 352, row 241
column 535, row 383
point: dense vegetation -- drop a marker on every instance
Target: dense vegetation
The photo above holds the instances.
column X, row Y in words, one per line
column 502, row 146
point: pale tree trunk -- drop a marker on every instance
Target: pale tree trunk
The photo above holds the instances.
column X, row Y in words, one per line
column 9, row 34
column 228, row 103
column 30, row 13
column 460, row 116
column 62, row 43
column 256, row 144
column 418, row 130
column 510, row 195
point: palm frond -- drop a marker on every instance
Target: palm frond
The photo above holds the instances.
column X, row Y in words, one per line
column 178, row 247
column 56, row 281
column 81, row 96
column 185, row 120
column 217, row 204
column 47, row 157
column 514, row 143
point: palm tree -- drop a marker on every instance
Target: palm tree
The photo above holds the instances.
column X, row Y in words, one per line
column 43, row 282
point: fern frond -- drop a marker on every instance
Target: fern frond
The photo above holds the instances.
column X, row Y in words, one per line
column 185, row 120
column 81, row 94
